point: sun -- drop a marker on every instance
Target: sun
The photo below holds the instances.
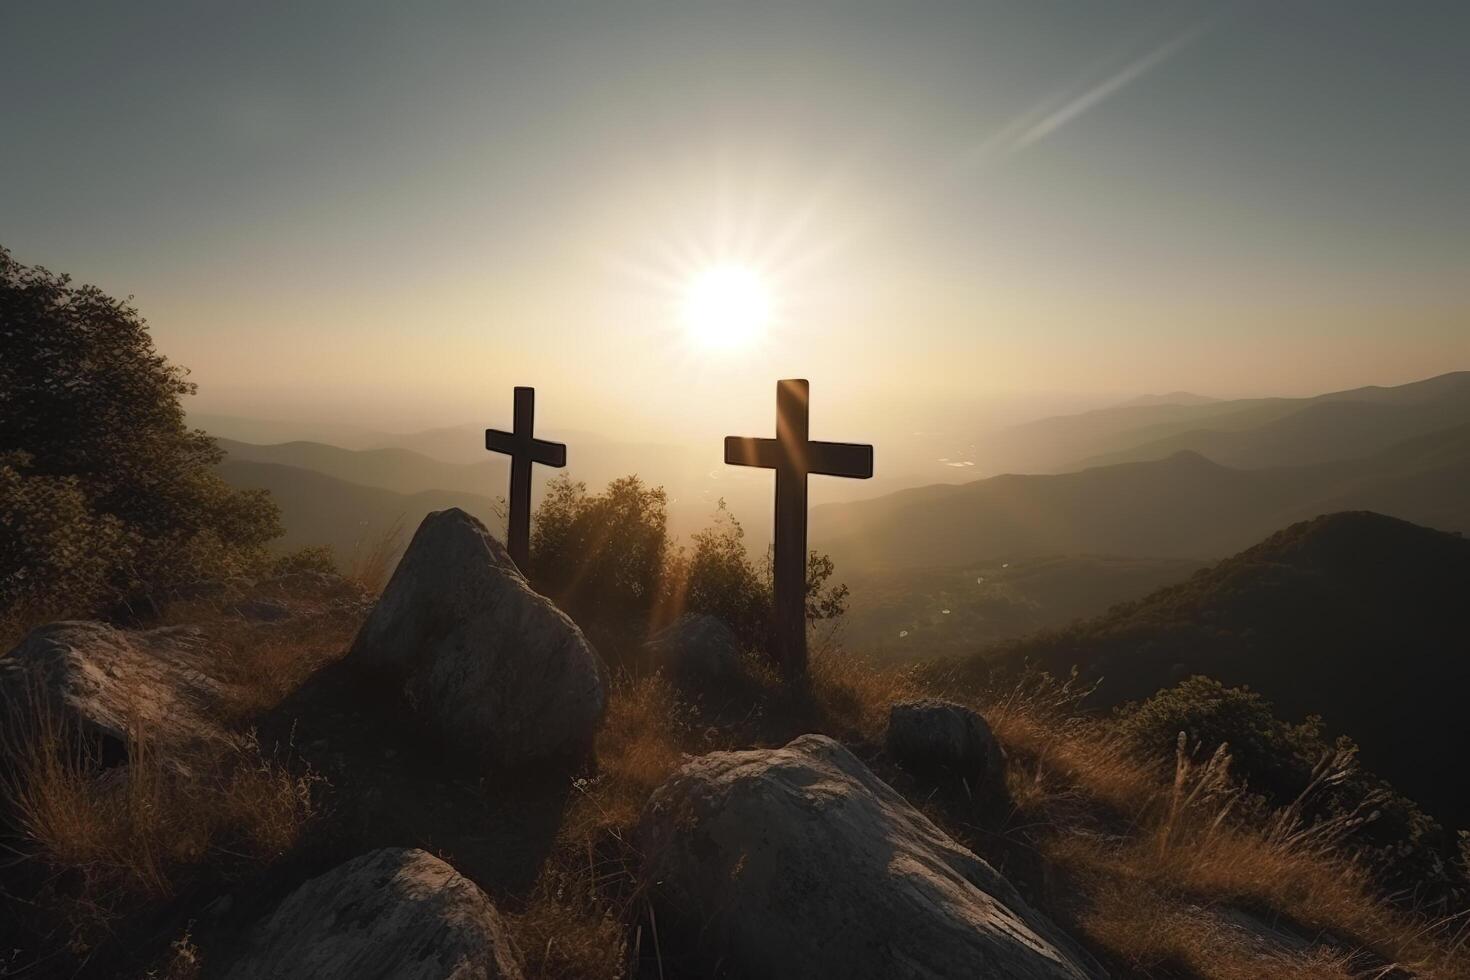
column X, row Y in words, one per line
column 726, row 307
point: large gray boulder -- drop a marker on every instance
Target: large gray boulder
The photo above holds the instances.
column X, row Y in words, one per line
column 115, row 685
column 799, row 862
column 394, row 914
column 492, row 666
column 695, row 649
column 930, row 736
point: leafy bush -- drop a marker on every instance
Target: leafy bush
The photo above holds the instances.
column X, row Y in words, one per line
column 608, row 560
column 720, row 578
column 1275, row 755
column 105, row 494
column 310, row 558
column 603, row 555
column 1296, row 765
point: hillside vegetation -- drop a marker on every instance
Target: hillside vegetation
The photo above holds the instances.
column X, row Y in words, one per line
column 232, row 726
column 321, row 511
column 106, row 496
column 1356, row 617
column 1157, row 868
column 899, row 615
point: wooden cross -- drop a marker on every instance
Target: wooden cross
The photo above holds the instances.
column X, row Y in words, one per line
column 793, row 457
column 523, row 450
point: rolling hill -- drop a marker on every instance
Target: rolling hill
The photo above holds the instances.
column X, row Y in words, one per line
column 1357, row 617
column 1319, row 431
column 1185, row 506
column 321, row 510
column 1243, row 433
column 1169, row 398
column 399, row 470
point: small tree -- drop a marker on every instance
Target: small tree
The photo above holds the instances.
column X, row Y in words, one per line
column 607, row 560
column 721, row 579
column 602, row 556
column 105, row 493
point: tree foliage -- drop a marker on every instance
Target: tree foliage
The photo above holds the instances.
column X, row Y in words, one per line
column 105, row 493
column 602, row 555
column 607, row 558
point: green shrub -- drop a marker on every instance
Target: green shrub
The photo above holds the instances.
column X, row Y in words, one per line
column 1277, row 757
column 310, row 558
column 720, row 578
column 1279, row 761
column 105, row 494
column 608, row 560
column 602, row 556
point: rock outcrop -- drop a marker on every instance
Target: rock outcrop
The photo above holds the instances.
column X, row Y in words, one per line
column 695, row 649
column 112, row 684
column 800, row 862
column 394, row 914
column 490, row 665
column 930, row 736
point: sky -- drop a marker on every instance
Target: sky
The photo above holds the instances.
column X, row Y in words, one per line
column 388, row 214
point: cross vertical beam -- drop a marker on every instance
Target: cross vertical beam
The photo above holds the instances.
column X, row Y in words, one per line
column 793, row 456
column 523, row 449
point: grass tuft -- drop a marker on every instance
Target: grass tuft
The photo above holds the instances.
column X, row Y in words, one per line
column 373, row 558
column 107, row 838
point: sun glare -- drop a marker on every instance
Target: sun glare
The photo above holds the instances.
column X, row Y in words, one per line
column 726, row 307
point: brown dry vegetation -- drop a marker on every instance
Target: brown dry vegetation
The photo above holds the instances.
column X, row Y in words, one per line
column 374, row 558
column 98, row 842
column 1152, row 872
column 1154, row 869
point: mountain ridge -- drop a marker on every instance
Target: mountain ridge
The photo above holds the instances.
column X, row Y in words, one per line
column 1354, row 616
column 1183, row 506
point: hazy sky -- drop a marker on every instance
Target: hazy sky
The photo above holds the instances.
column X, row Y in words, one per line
column 393, row 212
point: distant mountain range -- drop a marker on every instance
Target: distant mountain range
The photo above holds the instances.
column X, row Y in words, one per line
column 1183, row 506
column 400, row 470
column 1358, row 617
column 317, row 509
column 1248, row 432
column 1168, row 398
column 1173, row 476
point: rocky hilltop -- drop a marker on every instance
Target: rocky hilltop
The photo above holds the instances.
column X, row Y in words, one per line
column 447, row 781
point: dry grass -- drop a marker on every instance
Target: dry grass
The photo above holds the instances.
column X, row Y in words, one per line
column 374, row 557
column 1159, row 876
column 182, row 962
column 1167, row 879
column 262, row 667
column 103, row 841
column 576, row 923
column 12, row 631
column 852, row 698
column 136, row 826
column 1157, row 936
column 1157, row 870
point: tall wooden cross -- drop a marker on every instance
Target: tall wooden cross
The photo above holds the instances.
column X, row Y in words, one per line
column 523, row 450
column 793, row 456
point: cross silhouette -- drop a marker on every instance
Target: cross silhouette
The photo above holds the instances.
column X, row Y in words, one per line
column 523, row 450
column 793, row 456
